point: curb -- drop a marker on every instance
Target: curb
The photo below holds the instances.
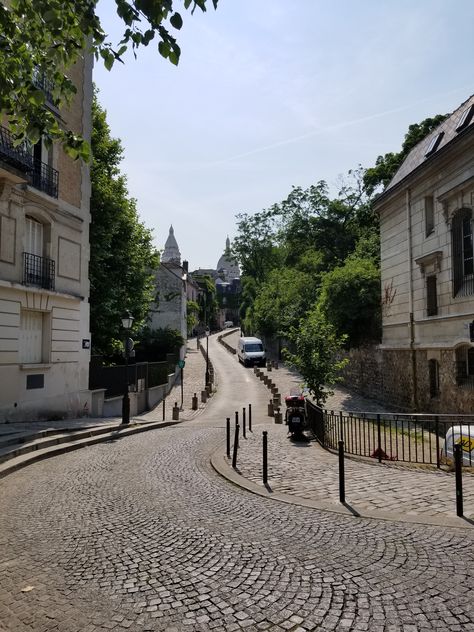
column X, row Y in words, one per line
column 114, row 433
column 222, row 467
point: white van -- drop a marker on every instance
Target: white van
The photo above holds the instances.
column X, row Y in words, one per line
column 463, row 435
column 250, row 351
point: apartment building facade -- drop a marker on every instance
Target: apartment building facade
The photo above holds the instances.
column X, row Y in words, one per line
column 44, row 257
column 427, row 268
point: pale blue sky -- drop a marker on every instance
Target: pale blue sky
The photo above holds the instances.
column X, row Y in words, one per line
column 270, row 94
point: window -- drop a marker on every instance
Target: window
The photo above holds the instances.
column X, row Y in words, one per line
column 466, row 118
column 32, row 337
column 433, row 371
column 429, row 215
column 434, row 144
column 463, row 263
column 431, row 296
column 465, row 365
column 34, row 237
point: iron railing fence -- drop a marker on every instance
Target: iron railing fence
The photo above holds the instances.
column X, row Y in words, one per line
column 45, row 178
column 138, row 376
column 17, row 156
column 39, row 271
column 417, row 438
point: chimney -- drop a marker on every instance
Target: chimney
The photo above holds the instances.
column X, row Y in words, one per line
column 185, row 266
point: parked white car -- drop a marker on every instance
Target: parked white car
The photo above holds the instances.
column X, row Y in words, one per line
column 463, row 435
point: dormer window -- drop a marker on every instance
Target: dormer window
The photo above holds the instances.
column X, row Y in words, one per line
column 434, row 144
column 466, row 118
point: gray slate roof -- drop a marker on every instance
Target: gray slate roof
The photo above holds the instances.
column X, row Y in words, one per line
column 417, row 157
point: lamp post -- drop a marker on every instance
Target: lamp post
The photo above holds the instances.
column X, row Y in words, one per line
column 207, row 355
column 127, row 322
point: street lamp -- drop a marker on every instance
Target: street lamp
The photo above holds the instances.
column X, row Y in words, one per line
column 207, row 355
column 127, row 322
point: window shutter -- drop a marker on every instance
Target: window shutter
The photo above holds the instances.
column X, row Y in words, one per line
column 31, row 337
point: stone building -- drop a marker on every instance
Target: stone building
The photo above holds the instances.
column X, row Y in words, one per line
column 427, row 266
column 169, row 310
column 44, row 256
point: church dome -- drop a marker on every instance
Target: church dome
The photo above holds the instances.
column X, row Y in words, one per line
column 227, row 266
column 171, row 252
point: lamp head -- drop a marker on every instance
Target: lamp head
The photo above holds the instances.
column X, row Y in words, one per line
column 127, row 320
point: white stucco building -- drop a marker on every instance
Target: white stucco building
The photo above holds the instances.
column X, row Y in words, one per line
column 169, row 310
column 426, row 228
column 44, row 285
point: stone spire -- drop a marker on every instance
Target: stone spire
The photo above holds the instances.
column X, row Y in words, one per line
column 171, row 252
column 227, row 244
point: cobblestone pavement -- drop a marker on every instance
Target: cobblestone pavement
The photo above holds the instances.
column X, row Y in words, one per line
column 141, row 534
column 305, row 470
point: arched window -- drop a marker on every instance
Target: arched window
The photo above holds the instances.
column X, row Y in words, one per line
column 463, row 261
column 465, row 365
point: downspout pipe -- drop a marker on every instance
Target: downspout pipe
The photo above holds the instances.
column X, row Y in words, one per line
column 410, row 300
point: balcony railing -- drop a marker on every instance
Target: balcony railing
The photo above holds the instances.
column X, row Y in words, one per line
column 41, row 82
column 38, row 271
column 39, row 174
column 45, row 178
column 18, row 157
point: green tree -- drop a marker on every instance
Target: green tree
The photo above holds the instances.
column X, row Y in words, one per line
column 45, row 38
column 192, row 315
column 350, row 300
column 154, row 344
column 122, row 257
column 315, row 348
column 207, row 301
column 386, row 166
column 282, row 301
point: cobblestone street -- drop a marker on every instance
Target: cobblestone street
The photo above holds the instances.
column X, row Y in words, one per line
column 141, row 534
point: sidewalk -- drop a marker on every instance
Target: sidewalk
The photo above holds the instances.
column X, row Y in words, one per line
column 305, row 473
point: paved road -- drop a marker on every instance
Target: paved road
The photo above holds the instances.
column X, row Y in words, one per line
column 141, row 534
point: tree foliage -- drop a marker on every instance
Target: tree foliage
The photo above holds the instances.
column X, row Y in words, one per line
column 316, row 345
column 386, row 166
column 40, row 40
column 350, row 300
column 122, row 257
column 154, row 344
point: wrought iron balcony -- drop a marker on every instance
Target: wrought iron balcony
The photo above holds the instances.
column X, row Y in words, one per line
column 41, row 82
column 44, row 178
column 18, row 157
column 38, row 271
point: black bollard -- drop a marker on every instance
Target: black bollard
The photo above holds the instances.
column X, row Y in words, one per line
column 164, row 405
column 379, row 438
column 236, row 446
column 265, row 457
column 342, row 485
column 227, row 427
column 458, row 471
column 244, row 429
column 250, row 417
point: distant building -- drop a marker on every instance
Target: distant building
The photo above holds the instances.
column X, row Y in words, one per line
column 226, row 277
column 427, row 265
column 169, row 310
column 44, row 257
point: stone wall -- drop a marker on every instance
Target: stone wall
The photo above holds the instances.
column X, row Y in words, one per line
column 387, row 376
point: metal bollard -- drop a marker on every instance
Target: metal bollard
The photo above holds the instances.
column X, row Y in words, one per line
column 342, row 484
column 203, row 397
column 236, row 446
column 194, row 402
column 250, row 417
column 265, row 458
column 458, row 471
column 379, row 438
column 227, row 436
column 270, row 409
column 175, row 415
column 244, row 428
column 164, row 405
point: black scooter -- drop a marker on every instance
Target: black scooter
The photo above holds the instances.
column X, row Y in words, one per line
column 295, row 416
